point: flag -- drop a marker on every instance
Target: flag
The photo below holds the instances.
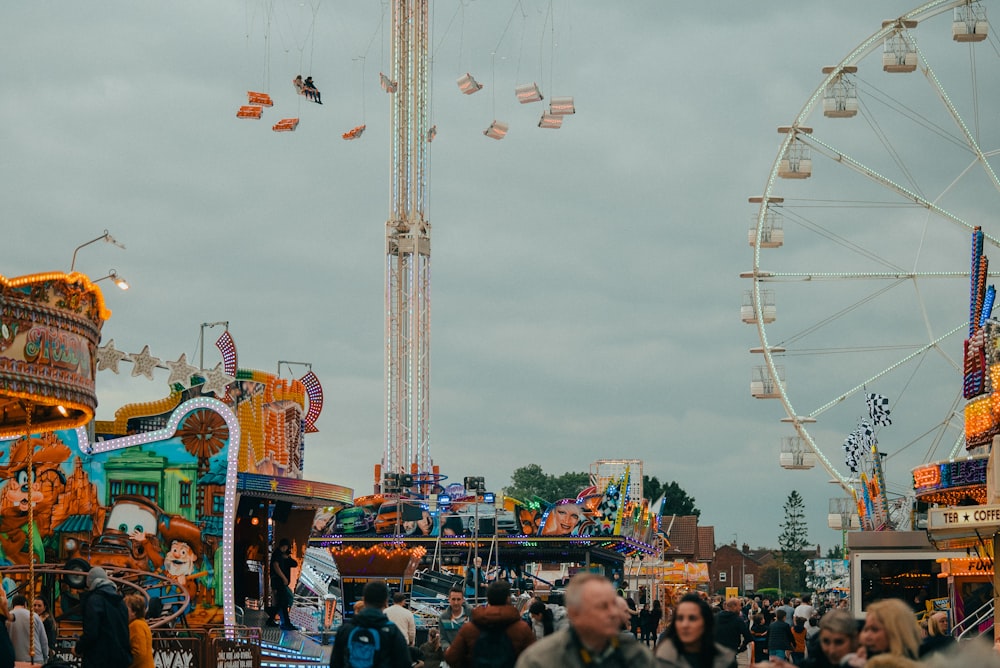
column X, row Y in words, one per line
column 878, row 409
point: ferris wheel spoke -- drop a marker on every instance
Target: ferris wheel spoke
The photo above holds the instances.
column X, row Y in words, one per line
column 950, row 106
column 858, row 388
column 837, row 156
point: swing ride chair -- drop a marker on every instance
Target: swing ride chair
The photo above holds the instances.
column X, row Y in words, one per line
column 468, row 85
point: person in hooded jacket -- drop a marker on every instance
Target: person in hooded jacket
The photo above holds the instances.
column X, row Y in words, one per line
column 393, row 652
column 104, row 642
column 730, row 629
column 498, row 613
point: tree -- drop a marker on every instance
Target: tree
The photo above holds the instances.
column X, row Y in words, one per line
column 530, row 481
column 835, row 552
column 794, row 539
column 677, row 502
column 568, row 486
column 651, row 488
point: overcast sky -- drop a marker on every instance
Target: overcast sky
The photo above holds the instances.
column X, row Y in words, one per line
column 586, row 289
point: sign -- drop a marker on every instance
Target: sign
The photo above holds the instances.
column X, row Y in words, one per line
column 748, row 582
column 963, row 522
column 732, row 592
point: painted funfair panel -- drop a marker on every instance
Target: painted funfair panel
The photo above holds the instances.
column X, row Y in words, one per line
column 160, row 503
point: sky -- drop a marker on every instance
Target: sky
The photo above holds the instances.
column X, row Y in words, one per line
column 586, row 283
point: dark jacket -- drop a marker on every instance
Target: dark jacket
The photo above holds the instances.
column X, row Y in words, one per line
column 104, row 642
column 731, row 631
column 932, row 644
column 779, row 636
column 393, row 654
column 6, row 646
column 459, row 654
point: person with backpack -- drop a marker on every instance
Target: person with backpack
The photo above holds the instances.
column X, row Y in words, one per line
column 369, row 639
column 494, row 636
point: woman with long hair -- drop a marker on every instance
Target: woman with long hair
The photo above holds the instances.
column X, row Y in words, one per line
column 542, row 619
column 758, row 629
column 890, row 628
column 838, row 638
column 690, row 641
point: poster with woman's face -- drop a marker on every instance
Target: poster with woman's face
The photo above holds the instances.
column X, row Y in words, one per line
column 562, row 519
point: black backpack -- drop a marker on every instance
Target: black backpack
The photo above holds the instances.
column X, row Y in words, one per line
column 493, row 649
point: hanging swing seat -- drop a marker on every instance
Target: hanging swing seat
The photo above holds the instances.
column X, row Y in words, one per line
column 286, row 125
column 468, row 85
column 260, row 99
column 550, row 121
column 250, row 111
column 528, row 93
column 561, row 106
column 497, row 130
column 388, row 85
column 354, row 133
column 432, row 133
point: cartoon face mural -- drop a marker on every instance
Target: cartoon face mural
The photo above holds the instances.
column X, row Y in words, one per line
column 152, row 506
column 24, row 486
column 136, row 517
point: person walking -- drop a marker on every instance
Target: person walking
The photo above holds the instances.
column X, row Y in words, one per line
column 690, row 641
column 41, row 608
column 591, row 637
column 779, row 637
column 730, row 629
column 453, row 617
column 495, row 635
column 104, row 642
column 139, row 635
column 27, row 632
column 369, row 638
column 403, row 618
column 282, row 564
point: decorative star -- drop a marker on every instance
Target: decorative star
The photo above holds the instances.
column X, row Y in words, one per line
column 143, row 363
column 216, row 381
column 108, row 357
column 181, row 371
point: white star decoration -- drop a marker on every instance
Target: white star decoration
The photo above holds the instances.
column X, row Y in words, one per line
column 108, row 357
column 143, row 363
column 216, row 381
column 181, row 371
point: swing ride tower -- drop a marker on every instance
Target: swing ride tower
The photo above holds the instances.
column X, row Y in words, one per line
column 408, row 247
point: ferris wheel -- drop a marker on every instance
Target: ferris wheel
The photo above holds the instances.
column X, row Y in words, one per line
column 861, row 238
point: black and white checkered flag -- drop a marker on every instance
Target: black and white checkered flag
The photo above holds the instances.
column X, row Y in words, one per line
column 878, row 408
column 851, row 454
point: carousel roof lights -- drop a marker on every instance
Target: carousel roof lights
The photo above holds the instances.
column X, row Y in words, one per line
column 106, row 237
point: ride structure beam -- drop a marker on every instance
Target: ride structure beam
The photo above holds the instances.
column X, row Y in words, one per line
column 408, row 247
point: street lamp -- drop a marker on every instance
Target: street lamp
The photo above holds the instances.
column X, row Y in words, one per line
column 115, row 278
column 104, row 237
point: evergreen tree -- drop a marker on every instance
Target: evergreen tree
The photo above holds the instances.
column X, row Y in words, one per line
column 794, row 539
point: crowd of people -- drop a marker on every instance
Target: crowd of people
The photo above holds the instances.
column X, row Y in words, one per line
column 595, row 625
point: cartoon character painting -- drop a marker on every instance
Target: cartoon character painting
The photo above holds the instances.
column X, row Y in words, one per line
column 21, row 489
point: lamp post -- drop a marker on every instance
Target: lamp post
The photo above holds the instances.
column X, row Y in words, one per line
column 106, row 237
column 115, row 278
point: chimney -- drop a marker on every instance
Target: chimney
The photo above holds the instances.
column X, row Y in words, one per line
column 746, row 548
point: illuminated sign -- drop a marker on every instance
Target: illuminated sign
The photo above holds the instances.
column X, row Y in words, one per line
column 965, row 521
column 945, row 475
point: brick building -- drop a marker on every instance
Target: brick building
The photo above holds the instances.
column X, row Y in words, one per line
column 733, row 567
